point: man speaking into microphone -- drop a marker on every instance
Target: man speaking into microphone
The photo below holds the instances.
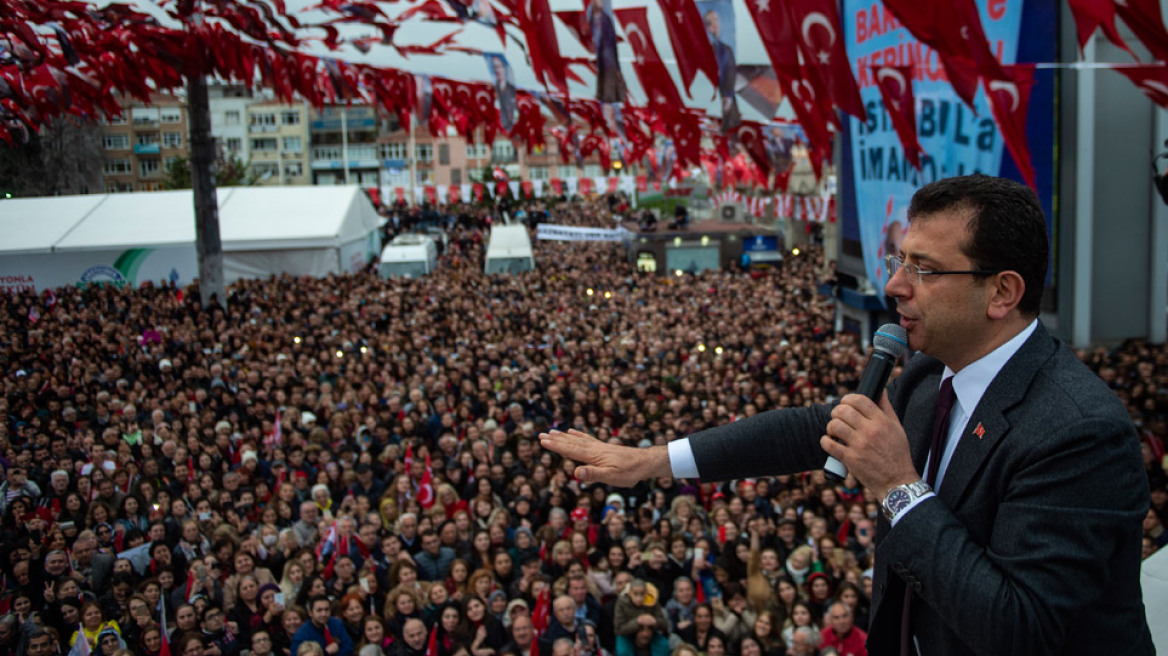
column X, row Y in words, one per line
column 1009, row 475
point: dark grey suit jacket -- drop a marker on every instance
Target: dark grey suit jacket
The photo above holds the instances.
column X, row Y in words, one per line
column 1032, row 545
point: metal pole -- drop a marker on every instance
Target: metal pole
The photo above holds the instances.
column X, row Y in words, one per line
column 345, row 141
column 413, row 164
column 208, row 242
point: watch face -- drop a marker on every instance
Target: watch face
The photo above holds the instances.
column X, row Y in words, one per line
column 896, row 500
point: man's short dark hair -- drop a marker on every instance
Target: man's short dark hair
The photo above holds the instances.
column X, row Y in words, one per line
column 428, row 533
column 312, row 602
column 1006, row 225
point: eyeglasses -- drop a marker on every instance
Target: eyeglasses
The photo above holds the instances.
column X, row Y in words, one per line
column 915, row 274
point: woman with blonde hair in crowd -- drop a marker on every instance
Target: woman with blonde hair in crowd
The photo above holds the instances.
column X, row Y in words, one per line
column 292, row 579
column 401, row 603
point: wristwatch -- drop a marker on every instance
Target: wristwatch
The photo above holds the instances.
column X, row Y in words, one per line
column 901, row 496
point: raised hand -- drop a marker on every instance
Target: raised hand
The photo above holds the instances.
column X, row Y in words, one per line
column 601, row 462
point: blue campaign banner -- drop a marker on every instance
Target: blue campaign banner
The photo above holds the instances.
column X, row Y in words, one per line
column 760, row 244
column 877, row 180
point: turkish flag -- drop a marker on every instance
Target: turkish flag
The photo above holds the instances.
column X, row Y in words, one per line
column 501, row 188
column 1152, row 79
column 683, row 128
column 535, row 19
column 528, row 188
column 613, row 184
column 400, row 194
column 895, row 84
column 647, row 64
column 778, row 35
column 529, row 123
column 454, row 193
column 1010, row 98
column 691, row 43
column 478, row 191
column 557, row 185
column 1092, row 14
column 431, row 194
column 750, row 136
column 804, row 101
column 954, row 30
column 1144, row 18
column 642, row 183
column 585, row 185
column 823, row 52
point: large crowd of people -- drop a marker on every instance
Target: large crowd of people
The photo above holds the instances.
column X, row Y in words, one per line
column 351, row 465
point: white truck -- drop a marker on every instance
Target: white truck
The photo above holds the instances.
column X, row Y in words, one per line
column 409, row 255
column 509, row 250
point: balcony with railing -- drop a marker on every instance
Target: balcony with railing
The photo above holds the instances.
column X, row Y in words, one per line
column 333, row 157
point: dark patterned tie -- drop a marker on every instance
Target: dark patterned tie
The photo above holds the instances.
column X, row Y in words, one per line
column 945, row 399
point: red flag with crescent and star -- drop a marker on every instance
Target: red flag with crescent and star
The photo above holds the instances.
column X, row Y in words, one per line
column 647, row 64
column 1010, row 98
column 895, row 83
column 823, row 51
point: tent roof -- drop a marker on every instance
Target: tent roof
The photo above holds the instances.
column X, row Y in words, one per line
column 30, row 225
column 250, row 218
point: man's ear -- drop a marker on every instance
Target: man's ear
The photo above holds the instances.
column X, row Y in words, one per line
column 1004, row 291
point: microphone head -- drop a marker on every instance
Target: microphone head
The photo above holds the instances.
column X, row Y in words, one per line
column 891, row 339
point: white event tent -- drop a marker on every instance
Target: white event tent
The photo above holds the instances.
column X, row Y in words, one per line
column 128, row 239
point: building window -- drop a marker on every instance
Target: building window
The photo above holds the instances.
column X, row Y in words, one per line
column 425, row 176
column 537, row 173
column 116, row 120
column 116, row 141
column 567, row 171
column 593, row 171
column 147, row 139
column 171, row 114
column 393, row 151
column 266, row 170
column 424, row 152
column 293, row 169
column 234, row 144
column 119, row 188
column 290, row 117
column 263, row 119
column 168, row 162
column 266, row 143
column 444, row 154
column 148, row 167
column 503, row 150
column 172, row 140
column 456, row 176
column 293, row 144
column 231, row 117
column 117, row 167
column 476, row 151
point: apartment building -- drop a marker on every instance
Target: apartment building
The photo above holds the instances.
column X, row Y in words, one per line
column 142, row 142
column 344, row 145
column 278, row 138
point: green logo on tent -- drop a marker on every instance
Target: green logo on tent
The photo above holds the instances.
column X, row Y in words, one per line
column 123, row 272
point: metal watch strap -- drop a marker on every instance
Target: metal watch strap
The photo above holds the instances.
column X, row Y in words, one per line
column 914, row 491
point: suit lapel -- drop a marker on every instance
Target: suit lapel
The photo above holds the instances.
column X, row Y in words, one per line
column 987, row 424
column 918, row 420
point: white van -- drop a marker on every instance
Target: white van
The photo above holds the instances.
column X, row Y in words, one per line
column 411, row 256
column 509, row 250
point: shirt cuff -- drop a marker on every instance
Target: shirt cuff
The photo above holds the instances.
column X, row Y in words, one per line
column 907, row 509
column 681, row 459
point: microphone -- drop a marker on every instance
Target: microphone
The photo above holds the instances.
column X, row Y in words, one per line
column 888, row 344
